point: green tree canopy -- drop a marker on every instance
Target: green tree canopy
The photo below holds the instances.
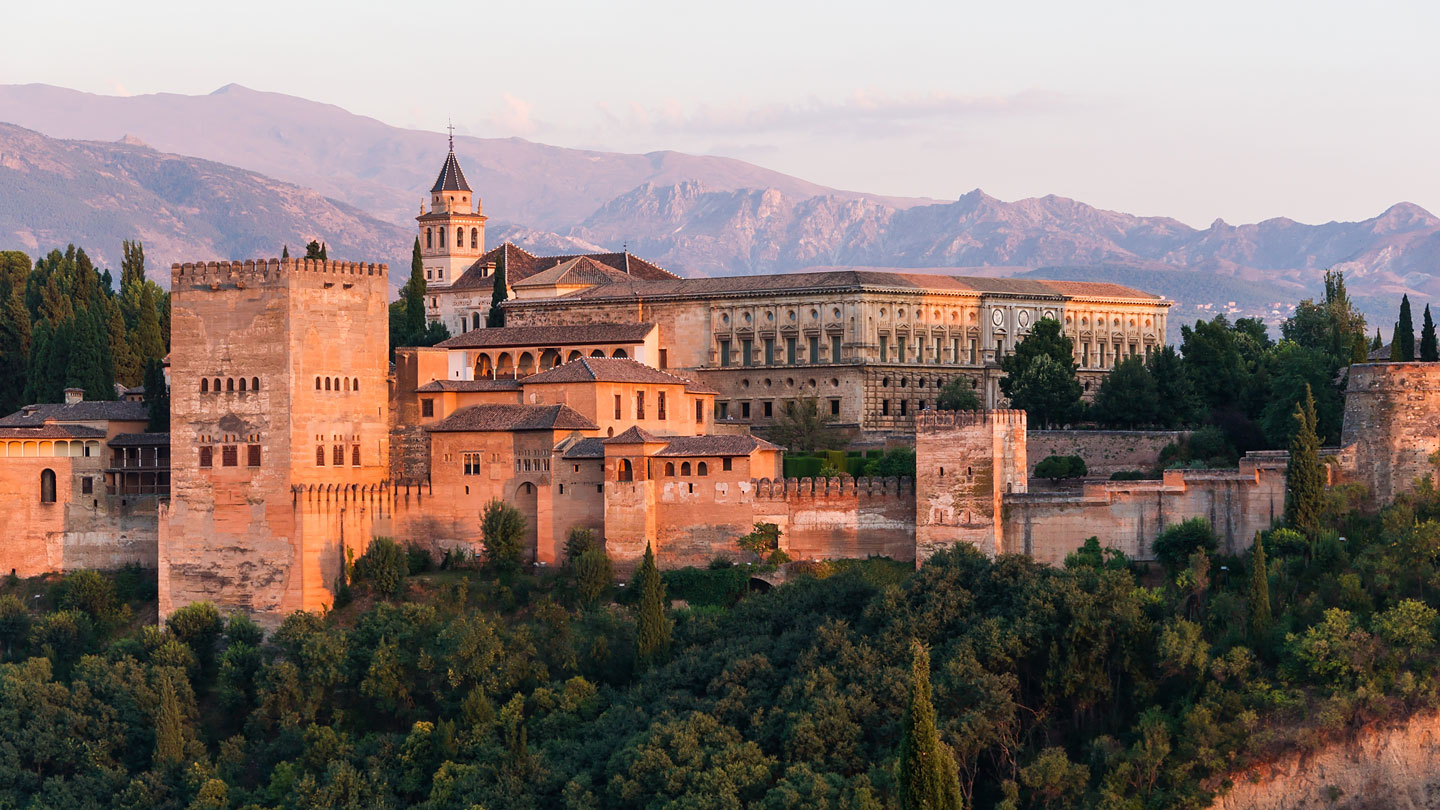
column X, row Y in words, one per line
column 1304, row 475
column 1047, row 391
column 925, row 774
column 958, row 394
column 1128, row 396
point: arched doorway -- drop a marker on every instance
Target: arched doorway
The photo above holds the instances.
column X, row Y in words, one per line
column 484, row 369
column 623, row 470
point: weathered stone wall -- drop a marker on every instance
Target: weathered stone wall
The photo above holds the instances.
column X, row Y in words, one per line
column 1105, row 451
column 966, row 464
column 839, row 518
column 1129, row 515
column 1391, row 425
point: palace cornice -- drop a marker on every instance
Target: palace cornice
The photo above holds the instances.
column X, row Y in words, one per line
column 1060, row 298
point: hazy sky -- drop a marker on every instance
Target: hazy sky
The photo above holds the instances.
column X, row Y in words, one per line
column 1314, row 110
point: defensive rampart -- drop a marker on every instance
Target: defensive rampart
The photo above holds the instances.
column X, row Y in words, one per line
column 1392, row 426
column 1105, row 451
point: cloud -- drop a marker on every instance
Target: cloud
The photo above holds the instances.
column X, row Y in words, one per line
column 119, row 89
column 514, row 117
column 862, row 110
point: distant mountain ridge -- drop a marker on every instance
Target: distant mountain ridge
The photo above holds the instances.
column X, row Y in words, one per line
column 718, row 216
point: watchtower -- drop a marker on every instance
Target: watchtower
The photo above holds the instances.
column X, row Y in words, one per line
column 452, row 234
column 966, row 462
column 278, row 380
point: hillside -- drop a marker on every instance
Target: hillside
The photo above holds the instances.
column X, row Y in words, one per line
column 54, row 192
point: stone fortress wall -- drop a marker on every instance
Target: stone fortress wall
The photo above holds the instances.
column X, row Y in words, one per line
column 1391, row 426
column 1105, row 451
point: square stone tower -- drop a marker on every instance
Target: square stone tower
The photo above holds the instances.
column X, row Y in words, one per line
column 965, row 463
column 279, row 381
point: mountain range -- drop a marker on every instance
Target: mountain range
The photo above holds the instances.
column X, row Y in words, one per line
column 696, row 215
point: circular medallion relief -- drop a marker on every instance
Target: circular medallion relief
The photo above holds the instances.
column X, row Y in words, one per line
column 1049, row 313
column 997, row 317
column 1023, row 317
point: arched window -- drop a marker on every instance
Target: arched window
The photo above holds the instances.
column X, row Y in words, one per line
column 47, row 486
column 429, row 240
column 619, row 353
column 527, row 488
column 702, row 469
column 574, row 355
column 670, row 469
column 317, row 383
column 347, row 383
column 474, row 320
column 327, row 383
column 242, row 385
column 474, row 238
column 230, row 385
column 355, row 384
column 598, row 353
column 204, row 386
column 459, row 237
column 442, row 238
column 216, row 387
column 623, row 471
column 685, row 468
column 254, row 383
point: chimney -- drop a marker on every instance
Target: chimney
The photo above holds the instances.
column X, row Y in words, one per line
column 489, row 268
column 74, row 395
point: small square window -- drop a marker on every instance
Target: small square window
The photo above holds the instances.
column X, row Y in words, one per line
column 252, row 455
column 427, row 407
column 725, row 464
column 354, row 455
column 337, row 454
column 87, row 485
column 229, row 456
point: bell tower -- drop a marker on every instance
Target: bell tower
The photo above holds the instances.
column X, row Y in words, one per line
column 452, row 233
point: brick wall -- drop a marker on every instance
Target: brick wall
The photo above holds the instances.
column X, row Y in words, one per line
column 1105, row 451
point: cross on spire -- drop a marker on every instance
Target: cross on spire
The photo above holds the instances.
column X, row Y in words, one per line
column 450, row 125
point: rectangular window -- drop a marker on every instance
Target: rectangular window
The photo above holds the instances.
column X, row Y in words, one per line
column 1084, row 355
column 769, row 410
column 660, row 405
column 725, row 463
column 207, row 456
column 427, row 407
column 834, row 407
column 973, row 349
column 617, row 406
column 884, row 407
column 999, row 350
column 337, row 455
column 252, row 455
column 722, row 410
column 813, row 355
column 471, row 463
column 87, row 486
column 744, row 410
column 955, row 351
column 664, row 359
column 937, row 360
column 354, row 455
column 884, row 348
column 769, row 351
column 904, row 406
column 724, row 353
column 319, row 455
column 900, row 350
column 747, row 353
column 790, row 351
column 699, row 411
column 834, row 348
column 229, row 456
column 639, row 404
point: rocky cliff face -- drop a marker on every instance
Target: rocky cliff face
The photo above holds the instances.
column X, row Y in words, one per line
column 1393, row 768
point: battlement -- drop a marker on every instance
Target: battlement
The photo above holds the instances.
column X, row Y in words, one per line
column 260, row 271
column 928, row 420
column 846, row 486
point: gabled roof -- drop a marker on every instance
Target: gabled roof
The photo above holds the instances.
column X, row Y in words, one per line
column 436, row 386
column 140, row 440
column 588, row 447
column 577, row 271
column 479, row 418
column 604, row 369
column 496, row 337
column 635, row 435
column 451, row 178
column 521, row 264
column 84, row 411
column 722, row 445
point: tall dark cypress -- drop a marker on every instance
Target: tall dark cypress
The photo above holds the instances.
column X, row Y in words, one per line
column 414, row 294
column 1378, row 342
column 925, row 774
column 1304, row 477
column 157, row 396
column 499, row 293
column 1429, row 350
column 652, row 626
column 1260, row 615
column 1405, row 331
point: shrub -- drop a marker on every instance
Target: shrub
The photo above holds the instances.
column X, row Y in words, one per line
column 1132, row 475
column 503, row 528
column 1056, row 467
column 716, row 587
column 384, row 566
column 898, row 462
column 834, row 459
column 418, row 560
column 578, row 541
column 764, row 542
column 1175, row 545
column 802, row 466
column 593, row 574
column 93, row 595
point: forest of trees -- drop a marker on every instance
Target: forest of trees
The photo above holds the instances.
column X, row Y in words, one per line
column 64, row 324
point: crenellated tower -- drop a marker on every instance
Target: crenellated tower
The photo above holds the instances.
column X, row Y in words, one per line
column 452, row 233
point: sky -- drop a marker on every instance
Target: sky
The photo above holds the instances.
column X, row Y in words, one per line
column 1244, row 111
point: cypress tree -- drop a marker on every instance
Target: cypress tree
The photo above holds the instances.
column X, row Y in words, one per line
column 149, row 340
column 285, row 252
column 1429, row 350
column 414, row 294
column 1259, row 591
column 169, row 725
column 157, row 396
column 132, row 263
column 89, row 361
column 652, row 626
column 14, row 350
column 1378, row 342
column 1395, row 351
column 1405, row 331
column 325, row 254
column 1304, row 477
column 925, row 774
column 312, row 250
column 129, row 366
column 499, row 293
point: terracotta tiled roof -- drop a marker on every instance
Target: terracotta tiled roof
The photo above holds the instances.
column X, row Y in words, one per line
column 724, row 445
column 588, row 447
column 580, row 270
column 140, row 440
column 699, row 388
column 85, row 411
column 51, row 432
column 521, row 264
column 635, row 435
column 513, row 417
column 847, row 280
column 451, row 178
column 436, row 386
column 517, row 336
column 604, row 369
